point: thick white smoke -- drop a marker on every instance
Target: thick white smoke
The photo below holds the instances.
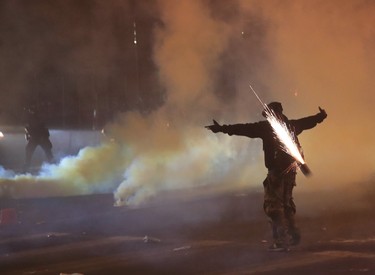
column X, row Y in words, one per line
column 173, row 150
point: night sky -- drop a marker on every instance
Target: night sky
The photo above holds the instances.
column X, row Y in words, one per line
column 69, row 58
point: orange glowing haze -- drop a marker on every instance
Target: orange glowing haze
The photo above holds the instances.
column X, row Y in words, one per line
column 304, row 54
column 324, row 50
column 314, row 53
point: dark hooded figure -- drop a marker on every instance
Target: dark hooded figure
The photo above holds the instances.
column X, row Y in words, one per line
column 280, row 181
column 37, row 134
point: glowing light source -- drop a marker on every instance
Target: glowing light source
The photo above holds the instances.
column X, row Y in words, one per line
column 284, row 135
column 134, row 33
column 286, row 138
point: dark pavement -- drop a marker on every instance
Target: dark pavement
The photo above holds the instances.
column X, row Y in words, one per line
column 178, row 233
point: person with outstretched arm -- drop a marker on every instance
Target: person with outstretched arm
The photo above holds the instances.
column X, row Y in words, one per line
column 278, row 204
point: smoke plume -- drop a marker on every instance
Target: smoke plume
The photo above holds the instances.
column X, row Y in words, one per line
column 303, row 53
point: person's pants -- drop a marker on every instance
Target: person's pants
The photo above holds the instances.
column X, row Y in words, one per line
column 30, row 149
column 279, row 205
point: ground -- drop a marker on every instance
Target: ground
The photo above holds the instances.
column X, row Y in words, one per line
column 178, row 233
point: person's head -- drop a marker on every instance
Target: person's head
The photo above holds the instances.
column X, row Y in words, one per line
column 275, row 107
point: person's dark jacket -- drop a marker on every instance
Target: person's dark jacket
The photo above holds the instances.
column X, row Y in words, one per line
column 36, row 131
column 274, row 157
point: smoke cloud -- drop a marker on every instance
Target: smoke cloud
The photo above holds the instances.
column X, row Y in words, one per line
column 303, row 53
column 321, row 55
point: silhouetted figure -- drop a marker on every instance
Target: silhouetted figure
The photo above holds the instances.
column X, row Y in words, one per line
column 281, row 178
column 37, row 134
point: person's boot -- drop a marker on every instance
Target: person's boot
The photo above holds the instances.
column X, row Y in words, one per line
column 280, row 239
column 278, row 247
column 295, row 236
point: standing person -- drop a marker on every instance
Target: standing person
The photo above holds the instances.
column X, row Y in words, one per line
column 281, row 178
column 37, row 134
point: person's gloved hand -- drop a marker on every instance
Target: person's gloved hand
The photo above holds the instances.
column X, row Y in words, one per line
column 216, row 127
column 322, row 114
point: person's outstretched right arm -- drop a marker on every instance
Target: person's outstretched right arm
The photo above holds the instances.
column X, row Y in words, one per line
column 252, row 130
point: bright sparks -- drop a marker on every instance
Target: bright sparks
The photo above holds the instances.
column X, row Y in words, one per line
column 284, row 135
column 288, row 143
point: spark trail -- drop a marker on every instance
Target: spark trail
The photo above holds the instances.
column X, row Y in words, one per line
column 284, row 135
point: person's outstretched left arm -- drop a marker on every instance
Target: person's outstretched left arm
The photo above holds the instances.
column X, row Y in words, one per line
column 309, row 122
